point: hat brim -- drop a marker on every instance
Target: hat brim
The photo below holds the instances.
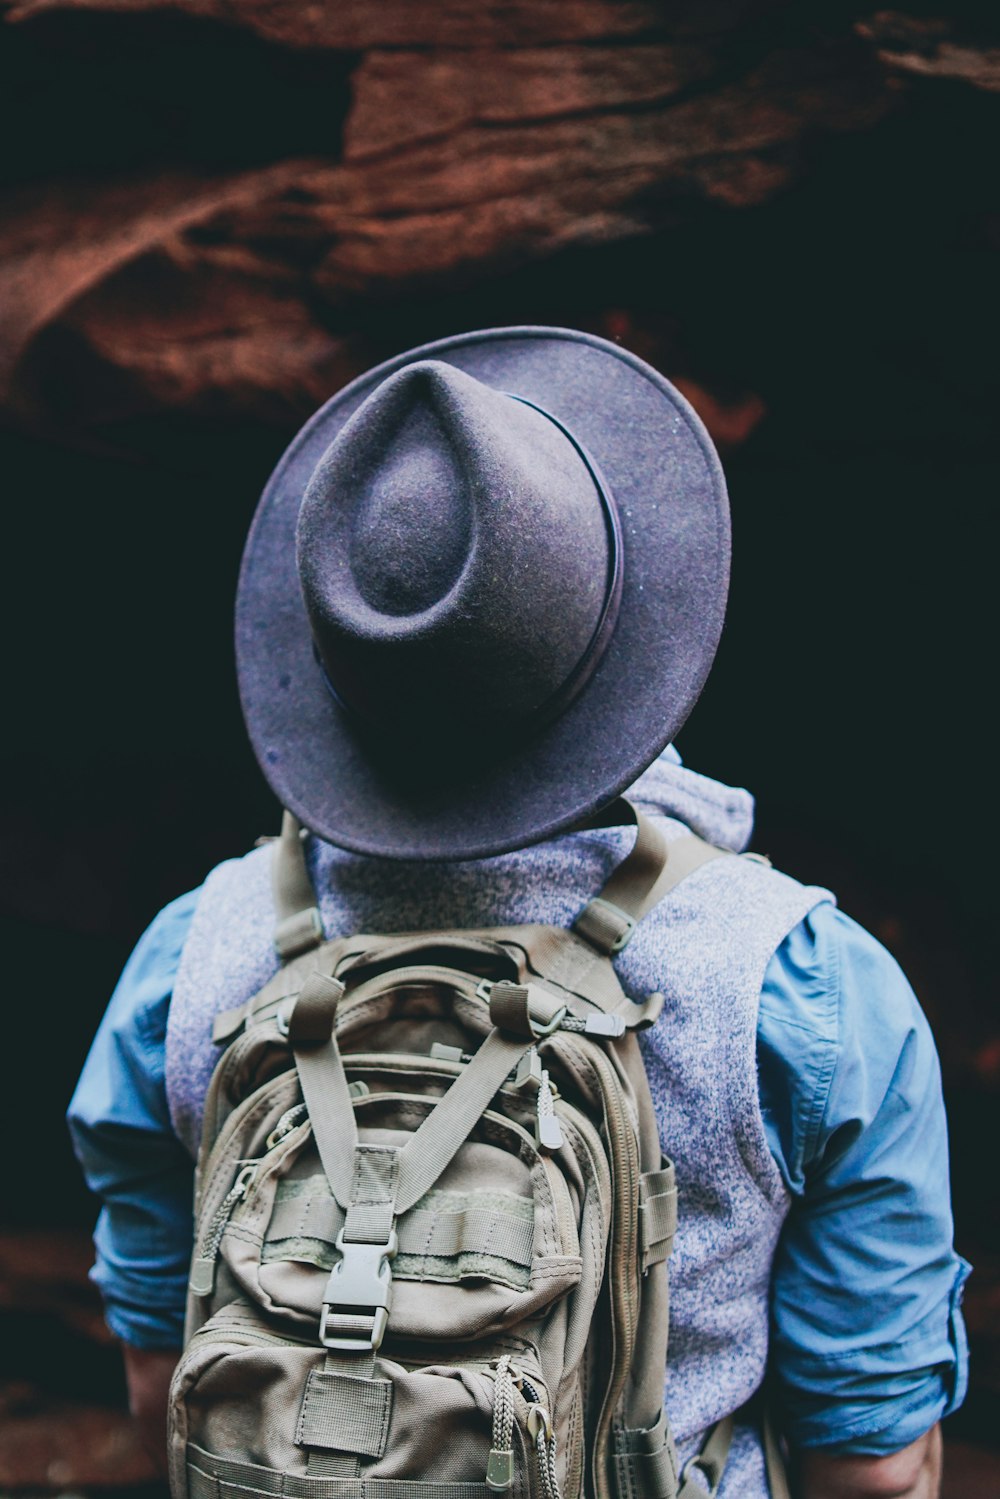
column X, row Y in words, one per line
column 665, row 476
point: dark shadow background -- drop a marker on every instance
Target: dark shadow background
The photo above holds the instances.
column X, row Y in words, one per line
column 853, row 692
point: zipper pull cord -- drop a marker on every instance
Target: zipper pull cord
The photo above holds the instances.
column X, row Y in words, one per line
column 545, row 1448
column 202, row 1281
column 289, row 1119
column 500, row 1466
column 540, row 1430
column 223, row 1212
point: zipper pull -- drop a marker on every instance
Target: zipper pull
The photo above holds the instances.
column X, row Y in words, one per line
column 288, row 1121
column 500, row 1464
column 528, row 1072
column 500, row 1469
column 604, row 1025
column 539, row 1422
column 548, row 1130
column 202, row 1281
column 540, row 1429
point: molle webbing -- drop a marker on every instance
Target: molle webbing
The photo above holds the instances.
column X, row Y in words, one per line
column 212, row 1477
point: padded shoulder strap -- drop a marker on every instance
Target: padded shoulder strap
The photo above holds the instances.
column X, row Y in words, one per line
column 299, row 925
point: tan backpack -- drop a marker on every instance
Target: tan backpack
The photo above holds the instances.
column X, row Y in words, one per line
column 432, row 1218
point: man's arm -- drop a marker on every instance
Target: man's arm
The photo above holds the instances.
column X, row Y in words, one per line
column 148, row 1373
column 868, row 1349
column 120, row 1125
column 912, row 1473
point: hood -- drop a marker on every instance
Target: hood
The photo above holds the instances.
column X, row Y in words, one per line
column 722, row 815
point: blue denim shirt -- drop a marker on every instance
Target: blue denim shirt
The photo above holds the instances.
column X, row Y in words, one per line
column 867, row 1343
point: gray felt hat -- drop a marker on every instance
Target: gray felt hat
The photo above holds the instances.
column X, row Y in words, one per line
column 482, row 591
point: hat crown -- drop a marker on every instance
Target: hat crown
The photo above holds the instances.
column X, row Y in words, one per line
column 409, row 534
column 454, row 554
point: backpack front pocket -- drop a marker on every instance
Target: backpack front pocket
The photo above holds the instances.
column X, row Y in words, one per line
column 492, row 1243
column 255, row 1411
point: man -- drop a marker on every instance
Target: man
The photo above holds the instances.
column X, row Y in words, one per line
column 481, row 594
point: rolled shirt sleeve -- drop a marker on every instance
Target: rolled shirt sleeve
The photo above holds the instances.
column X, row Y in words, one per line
column 120, row 1127
column 868, row 1347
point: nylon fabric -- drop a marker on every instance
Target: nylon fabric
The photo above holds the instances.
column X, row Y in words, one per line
column 345, row 1413
column 710, row 1462
column 326, row 1095
column 425, row 1156
column 250, row 1477
column 607, row 922
column 292, row 888
column 372, row 1210
column 424, row 1232
column 657, row 1215
column 645, row 1463
column 315, row 1010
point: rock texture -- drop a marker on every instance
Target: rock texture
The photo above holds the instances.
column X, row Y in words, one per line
column 441, row 148
column 63, row 1423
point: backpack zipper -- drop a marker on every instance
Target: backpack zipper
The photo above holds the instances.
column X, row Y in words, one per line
column 202, row 1281
column 289, row 1119
column 500, row 1466
column 548, row 1131
column 205, row 1176
column 539, row 1424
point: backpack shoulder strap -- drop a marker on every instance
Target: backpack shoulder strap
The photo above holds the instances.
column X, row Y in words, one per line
column 579, row 960
column 299, row 926
column 576, row 960
column 652, row 869
column 298, row 929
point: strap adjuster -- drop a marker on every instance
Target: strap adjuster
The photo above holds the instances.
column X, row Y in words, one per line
column 523, row 1009
column 605, row 925
column 297, row 934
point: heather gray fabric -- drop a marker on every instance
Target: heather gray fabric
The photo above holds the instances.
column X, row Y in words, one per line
column 443, row 550
column 706, row 948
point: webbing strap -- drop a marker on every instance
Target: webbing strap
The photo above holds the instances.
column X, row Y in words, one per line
column 645, row 1462
column 652, row 869
column 710, row 1462
column 327, row 1096
column 372, row 1211
column 212, row 1477
column 777, row 1477
column 424, row 1232
column 432, row 1146
column 320, row 1427
column 428, row 1151
column 342, row 1413
column 299, row 925
column 609, row 919
column 685, row 855
column 524, row 1009
column 657, row 1215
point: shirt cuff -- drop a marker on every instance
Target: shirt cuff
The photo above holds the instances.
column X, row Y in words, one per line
column 141, row 1271
column 868, row 1410
column 144, row 1327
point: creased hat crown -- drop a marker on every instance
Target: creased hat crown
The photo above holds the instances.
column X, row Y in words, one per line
column 455, row 553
